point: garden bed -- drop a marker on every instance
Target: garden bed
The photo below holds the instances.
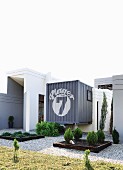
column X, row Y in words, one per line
column 21, row 137
column 83, row 145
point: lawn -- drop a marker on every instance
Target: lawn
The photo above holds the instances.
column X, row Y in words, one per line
column 29, row 160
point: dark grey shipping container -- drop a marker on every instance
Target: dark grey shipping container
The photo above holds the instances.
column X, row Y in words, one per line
column 69, row 102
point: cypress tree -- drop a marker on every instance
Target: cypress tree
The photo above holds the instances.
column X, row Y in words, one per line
column 103, row 112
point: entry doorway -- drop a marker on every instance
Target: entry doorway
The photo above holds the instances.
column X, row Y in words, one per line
column 41, row 108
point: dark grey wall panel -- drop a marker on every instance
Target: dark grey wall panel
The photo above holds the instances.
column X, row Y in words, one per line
column 11, row 106
column 66, row 102
column 13, row 88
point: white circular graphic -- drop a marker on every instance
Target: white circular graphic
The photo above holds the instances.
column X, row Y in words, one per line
column 57, row 103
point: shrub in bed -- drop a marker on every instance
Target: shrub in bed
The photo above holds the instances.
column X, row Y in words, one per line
column 17, row 134
column 115, row 136
column 68, row 135
column 101, row 136
column 26, row 134
column 92, row 138
column 77, row 133
column 6, row 134
column 33, row 134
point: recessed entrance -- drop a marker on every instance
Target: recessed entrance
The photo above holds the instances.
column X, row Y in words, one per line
column 41, row 108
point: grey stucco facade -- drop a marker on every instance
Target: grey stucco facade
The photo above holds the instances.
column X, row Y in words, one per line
column 11, row 104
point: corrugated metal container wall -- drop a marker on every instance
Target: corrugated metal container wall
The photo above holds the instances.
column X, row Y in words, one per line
column 84, row 103
column 67, row 102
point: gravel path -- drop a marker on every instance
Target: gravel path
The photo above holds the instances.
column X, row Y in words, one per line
column 113, row 153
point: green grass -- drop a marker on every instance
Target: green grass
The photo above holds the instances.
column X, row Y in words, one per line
column 29, row 160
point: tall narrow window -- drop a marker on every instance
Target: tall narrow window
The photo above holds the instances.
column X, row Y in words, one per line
column 89, row 95
column 97, row 115
column 41, row 108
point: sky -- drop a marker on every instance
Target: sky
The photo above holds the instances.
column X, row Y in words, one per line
column 74, row 40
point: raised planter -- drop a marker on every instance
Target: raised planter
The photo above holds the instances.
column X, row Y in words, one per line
column 83, row 145
column 22, row 139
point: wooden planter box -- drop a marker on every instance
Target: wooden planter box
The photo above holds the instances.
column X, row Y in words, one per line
column 21, row 139
column 83, row 145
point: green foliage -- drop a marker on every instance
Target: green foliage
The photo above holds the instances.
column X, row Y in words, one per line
column 101, row 136
column 6, row 134
column 26, row 134
column 68, row 135
column 56, row 125
column 47, row 129
column 115, row 136
column 103, row 112
column 87, row 160
column 10, row 118
column 77, row 133
column 92, row 138
column 60, row 128
column 16, row 148
column 17, row 134
column 111, row 119
column 38, row 128
column 33, row 134
column 16, row 145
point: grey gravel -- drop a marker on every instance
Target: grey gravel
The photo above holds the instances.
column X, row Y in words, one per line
column 113, row 153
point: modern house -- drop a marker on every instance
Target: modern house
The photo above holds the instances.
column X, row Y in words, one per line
column 30, row 97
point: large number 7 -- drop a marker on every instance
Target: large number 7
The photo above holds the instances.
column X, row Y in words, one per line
column 61, row 105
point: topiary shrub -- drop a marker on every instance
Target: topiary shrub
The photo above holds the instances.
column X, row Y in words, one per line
column 115, row 136
column 77, row 133
column 68, row 135
column 101, row 136
column 11, row 121
column 92, row 138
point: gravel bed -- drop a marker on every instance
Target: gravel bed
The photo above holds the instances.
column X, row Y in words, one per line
column 113, row 153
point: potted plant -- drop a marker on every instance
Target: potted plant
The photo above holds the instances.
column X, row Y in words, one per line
column 11, row 121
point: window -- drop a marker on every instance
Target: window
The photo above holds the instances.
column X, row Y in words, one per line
column 89, row 95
